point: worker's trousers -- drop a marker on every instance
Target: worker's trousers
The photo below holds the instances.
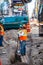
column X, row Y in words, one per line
column 1, row 40
column 23, row 47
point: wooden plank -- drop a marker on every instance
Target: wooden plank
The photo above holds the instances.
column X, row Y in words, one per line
column 24, row 58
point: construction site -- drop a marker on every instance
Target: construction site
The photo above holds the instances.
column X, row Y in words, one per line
column 21, row 32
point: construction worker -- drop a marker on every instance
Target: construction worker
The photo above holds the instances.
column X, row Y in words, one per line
column 22, row 34
column 1, row 34
column 27, row 26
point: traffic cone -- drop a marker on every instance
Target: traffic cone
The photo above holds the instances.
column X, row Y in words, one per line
column 0, row 62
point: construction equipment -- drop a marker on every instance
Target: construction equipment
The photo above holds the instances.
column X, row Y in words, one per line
column 40, row 18
column 13, row 21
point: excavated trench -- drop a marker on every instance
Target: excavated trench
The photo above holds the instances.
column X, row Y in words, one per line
column 11, row 41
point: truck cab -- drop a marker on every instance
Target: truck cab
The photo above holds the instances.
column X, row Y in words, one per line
column 40, row 18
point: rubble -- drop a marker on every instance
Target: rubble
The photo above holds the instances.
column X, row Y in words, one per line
column 37, row 52
column 36, row 48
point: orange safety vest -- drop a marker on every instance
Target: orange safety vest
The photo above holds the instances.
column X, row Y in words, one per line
column 1, row 30
column 24, row 36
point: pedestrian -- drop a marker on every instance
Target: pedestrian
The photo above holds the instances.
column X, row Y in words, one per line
column 1, row 35
column 22, row 35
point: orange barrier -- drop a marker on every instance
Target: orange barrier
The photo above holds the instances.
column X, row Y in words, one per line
column 1, row 30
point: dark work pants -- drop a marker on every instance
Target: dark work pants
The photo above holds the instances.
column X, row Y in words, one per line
column 1, row 40
column 23, row 47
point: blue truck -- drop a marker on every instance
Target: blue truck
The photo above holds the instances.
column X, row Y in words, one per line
column 14, row 21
